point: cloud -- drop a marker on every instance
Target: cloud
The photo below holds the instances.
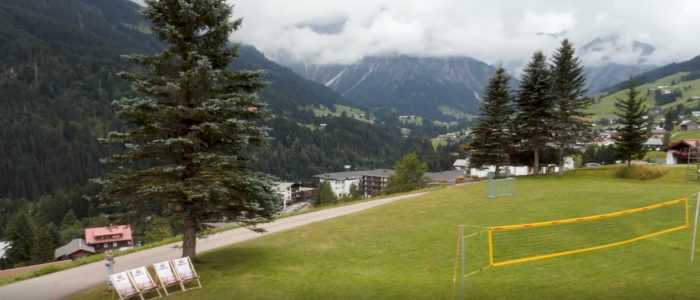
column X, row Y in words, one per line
column 499, row 31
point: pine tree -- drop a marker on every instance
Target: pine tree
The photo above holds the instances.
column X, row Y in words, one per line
column 19, row 234
column 568, row 89
column 631, row 111
column 188, row 149
column 324, row 194
column 492, row 136
column 408, row 175
column 43, row 244
column 535, row 108
column 71, row 228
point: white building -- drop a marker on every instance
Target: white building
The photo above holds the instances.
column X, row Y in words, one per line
column 288, row 192
column 461, row 164
column 369, row 183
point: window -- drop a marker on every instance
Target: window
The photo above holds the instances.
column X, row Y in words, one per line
column 114, row 244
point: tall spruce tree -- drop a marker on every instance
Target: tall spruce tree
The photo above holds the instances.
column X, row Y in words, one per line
column 493, row 134
column 631, row 111
column 19, row 233
column 187, row 149
column 568, row 89
column 535, row 108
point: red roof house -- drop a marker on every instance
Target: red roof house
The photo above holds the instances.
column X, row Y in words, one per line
column 108, row 238
column 678, row 152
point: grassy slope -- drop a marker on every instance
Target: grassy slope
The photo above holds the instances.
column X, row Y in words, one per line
column 607, row 105
column 406, row 250
column 682, row 135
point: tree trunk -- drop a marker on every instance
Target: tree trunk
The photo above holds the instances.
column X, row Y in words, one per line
column 536, row 162
column 561, row 162
column 189, row 235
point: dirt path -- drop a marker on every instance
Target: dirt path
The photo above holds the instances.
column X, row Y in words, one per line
column 65, row 283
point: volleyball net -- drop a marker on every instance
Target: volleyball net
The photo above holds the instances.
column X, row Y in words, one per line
column 527, row 242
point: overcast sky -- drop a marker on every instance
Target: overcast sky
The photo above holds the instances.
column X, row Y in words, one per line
column 343, row 31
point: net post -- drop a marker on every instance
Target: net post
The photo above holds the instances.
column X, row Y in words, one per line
column 461, row 243
column 695, row 229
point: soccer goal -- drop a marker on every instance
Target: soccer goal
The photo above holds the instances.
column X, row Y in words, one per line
column 501, row 187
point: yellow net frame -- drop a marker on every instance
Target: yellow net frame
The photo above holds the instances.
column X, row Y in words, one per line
column 528, row 242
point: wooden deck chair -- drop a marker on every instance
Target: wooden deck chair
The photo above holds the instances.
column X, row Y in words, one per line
column 185, row 271
column 144, row 282
column 166, row 277
column 123, row 286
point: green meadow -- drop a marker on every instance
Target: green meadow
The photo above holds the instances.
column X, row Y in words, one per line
column 407, row 249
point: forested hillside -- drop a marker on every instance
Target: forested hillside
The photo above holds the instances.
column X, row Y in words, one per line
column 58, row 75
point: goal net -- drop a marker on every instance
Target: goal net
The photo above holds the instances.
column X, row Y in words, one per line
column 501, row 187
column 521, row 243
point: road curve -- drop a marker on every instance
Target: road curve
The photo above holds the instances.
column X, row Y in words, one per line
column 68, row 282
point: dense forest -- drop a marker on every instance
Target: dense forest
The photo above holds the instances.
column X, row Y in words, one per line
column 58, row 75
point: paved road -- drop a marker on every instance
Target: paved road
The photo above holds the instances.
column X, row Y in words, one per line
column 65, row 283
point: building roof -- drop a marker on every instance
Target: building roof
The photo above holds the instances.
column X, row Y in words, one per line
column 461, row 163
column 446, row 175
column 91, row 234
column 356, row 174
column 654, row 142
column 683, row 144
column 687, row 122
column 73, row 246
column 282, row 186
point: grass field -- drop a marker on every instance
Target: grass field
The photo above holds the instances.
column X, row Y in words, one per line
column 683, row 135
column 406, row 249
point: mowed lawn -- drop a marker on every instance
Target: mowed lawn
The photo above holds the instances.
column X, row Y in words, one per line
column 406, row 249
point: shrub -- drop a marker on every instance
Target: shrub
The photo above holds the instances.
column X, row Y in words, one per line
column 641, row 172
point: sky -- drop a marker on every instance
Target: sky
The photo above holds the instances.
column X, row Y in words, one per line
column 496, row 32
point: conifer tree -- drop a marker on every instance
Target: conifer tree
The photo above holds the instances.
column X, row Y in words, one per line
column 568, row 89
column 408, row 175
column 492, row 136
column 19, row 233
column 71, row 228
column 629, row 144
column 535, row 108
column 43, row 244
column 324, row 194
column 188, row 147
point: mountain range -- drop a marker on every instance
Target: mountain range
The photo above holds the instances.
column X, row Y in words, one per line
column 437, row 88
column 611, row 59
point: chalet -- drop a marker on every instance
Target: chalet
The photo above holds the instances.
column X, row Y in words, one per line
column 369, row 183
column 109, row 238
column 689, row 125
column 75, row 249
column 288, row 192
column 678, row 152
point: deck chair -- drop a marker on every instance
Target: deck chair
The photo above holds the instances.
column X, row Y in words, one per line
column 144, row 283
column 167, row 277
column 123, row 286
column 185, row 271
